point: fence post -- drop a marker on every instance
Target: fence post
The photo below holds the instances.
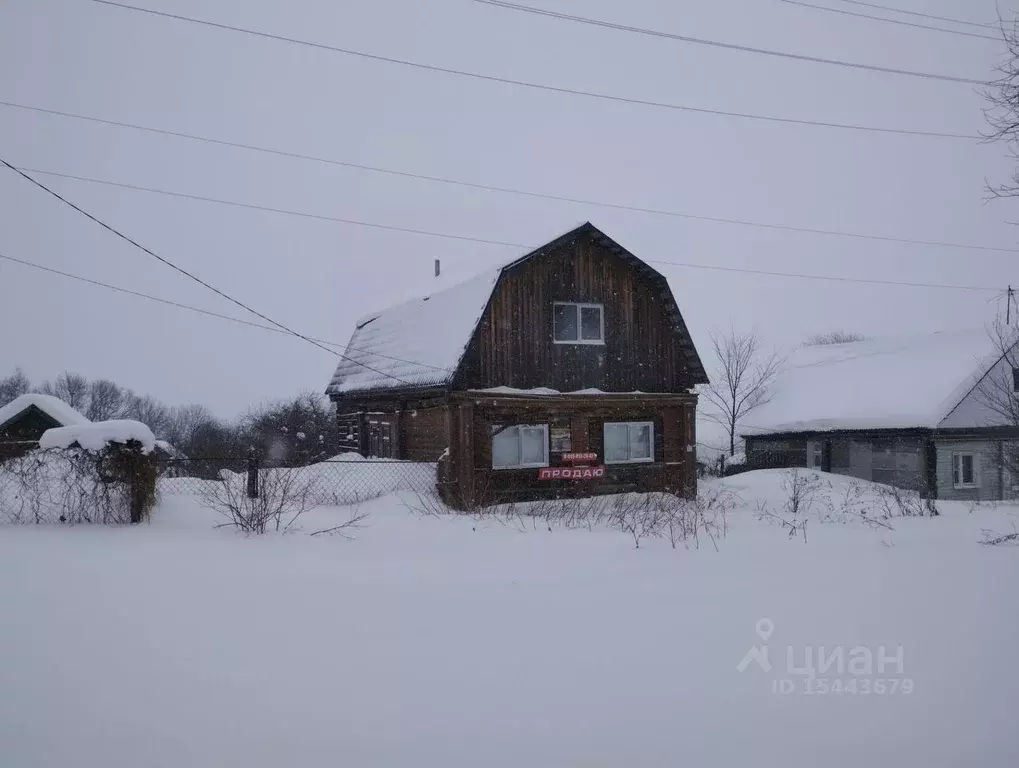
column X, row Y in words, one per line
column 136, row 491
column 252, row 473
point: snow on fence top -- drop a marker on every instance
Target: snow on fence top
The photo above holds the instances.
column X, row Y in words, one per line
column 53, row 407
column 95, row 436
column 875, row 384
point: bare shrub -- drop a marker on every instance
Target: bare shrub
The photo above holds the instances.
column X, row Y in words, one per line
column 283, row 496
column 903, row 502
column 851, row 506
column 801, row 490
column 75, row 486
column 993, row 538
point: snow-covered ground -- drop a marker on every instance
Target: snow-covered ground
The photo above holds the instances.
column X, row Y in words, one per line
column 449, row 641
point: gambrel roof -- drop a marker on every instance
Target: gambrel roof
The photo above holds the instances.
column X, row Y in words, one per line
column 420, row 343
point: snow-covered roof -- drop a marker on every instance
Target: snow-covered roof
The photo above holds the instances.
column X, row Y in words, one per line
column 419, row 343
column 94, row 436
column 889, row 383
column 53, row 407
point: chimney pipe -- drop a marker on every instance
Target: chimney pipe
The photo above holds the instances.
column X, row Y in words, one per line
column 437, row 268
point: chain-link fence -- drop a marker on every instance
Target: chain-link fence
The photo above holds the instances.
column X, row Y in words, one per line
column 335, row 482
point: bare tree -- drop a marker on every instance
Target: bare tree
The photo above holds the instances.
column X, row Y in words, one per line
column 148, row 411
column 1003, row 114
column 72, row 388
column 743, row 380
column 185, row 423
column 13, row 386
column 998, row 393
column 105, row 400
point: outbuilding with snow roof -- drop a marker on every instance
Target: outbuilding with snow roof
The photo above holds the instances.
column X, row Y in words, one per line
column 24, row 420
column 937, row 412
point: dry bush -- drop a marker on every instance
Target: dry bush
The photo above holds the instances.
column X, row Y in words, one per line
column 902, row 502
column 802, row 490
column 76, row 486
column 643, row 516
column 993, row 538
column 851, row 506
column 283, row 496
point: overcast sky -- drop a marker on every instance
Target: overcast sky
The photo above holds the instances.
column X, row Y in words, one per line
column 319, row 276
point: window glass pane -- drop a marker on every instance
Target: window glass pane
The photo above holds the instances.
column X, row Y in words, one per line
column 532, row 445
column 564, row 321
column 955, row 469
column 1015, row 379
column 506, row 448
column 967, row 469
column 640, row 441
column 616, row 448
column 590, row 323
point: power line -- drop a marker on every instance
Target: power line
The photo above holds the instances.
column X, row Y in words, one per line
column 537, row 86
column 716, row 44
column 270, row 209
column 427, row 233
column 913, row 24
column 687, row 265
column 187, row 274
column 199, row 310
column 918, row 13
column 698, row 110
column 833, row 278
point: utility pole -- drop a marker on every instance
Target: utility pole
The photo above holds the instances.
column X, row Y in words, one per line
column 1009, row 296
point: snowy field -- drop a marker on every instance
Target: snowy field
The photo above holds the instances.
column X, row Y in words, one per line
column 442, row 641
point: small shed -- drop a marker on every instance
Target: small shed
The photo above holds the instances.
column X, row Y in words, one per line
column 24, row 420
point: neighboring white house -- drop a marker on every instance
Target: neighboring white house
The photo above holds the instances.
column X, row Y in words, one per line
column 936, row 412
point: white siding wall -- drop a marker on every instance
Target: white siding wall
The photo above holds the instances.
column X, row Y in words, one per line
column 973, row 411
column 985, row 463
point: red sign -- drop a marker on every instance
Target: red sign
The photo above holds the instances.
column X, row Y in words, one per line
column 580, row 456
column 571, row 473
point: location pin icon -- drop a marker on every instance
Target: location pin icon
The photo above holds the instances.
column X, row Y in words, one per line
column 764, row 628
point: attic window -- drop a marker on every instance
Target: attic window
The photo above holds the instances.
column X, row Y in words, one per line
column 1015, row 379
column 578, row 323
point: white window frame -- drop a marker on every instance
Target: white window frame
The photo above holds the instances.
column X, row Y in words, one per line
column 957, row 471
column 518, row 427
column 648, row 460
column 578, row 307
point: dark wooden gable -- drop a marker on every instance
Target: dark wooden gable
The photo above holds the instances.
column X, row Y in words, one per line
column 647, row 345
column 29, row 424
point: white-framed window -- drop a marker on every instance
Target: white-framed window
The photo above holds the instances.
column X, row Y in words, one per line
column 578, row 323
column 519, row 446
column 964, row 470
column 629, row 442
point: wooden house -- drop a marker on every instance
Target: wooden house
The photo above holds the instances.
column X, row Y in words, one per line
column 24, row 419
column 569, row 370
